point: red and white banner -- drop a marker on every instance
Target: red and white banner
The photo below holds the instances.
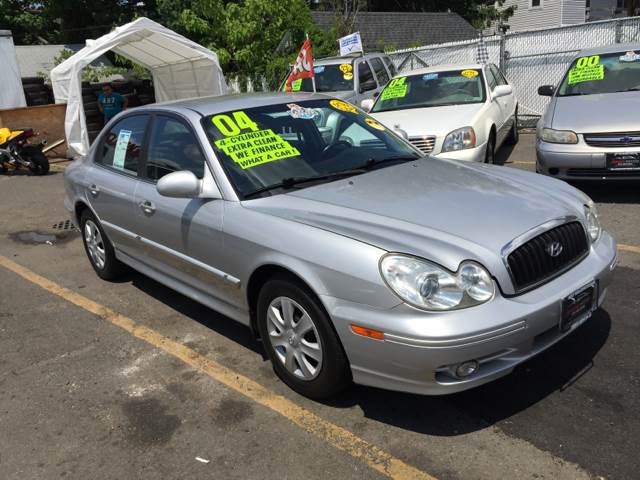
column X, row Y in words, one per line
column 303, row 68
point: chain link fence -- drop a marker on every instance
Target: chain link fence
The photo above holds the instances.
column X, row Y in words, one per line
column 528, row 59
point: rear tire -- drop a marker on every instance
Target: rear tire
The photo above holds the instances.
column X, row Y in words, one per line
column 99, row 249
column 300, row 340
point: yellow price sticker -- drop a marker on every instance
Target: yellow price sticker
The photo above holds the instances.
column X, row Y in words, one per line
column 344, row 106
column 469, row 73
column 397, row 88
column 375, row 124
column 348, row 76
column 587, row 69
column 346, row 68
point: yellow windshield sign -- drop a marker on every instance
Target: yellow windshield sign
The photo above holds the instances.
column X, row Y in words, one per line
column 253, row 148
column 397, row 88
column 587, row 69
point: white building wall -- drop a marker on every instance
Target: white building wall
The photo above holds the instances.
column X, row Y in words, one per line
column 526, row 17
column 573, row 12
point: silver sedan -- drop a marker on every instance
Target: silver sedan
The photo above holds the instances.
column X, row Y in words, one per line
column 349, row 254
column 590, row 129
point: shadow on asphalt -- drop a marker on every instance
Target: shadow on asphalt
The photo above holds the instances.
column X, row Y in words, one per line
column 209, row 318
column 503, row 154
column 554, row 369
column 617, row 191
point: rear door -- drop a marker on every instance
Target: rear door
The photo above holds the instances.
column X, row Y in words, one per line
column 509, row 101
column 497, row 106
column 182, row 237
column 113, row 179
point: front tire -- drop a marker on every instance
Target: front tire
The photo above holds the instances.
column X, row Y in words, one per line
column 514, row 134
column 490, row 152
column 98, row 248
column 300, row 340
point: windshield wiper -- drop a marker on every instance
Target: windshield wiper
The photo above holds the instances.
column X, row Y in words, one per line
column 291, row 182
column 374, row 162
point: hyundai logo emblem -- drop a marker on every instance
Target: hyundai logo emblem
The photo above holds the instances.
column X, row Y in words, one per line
column 554, row 248
column 626, row 139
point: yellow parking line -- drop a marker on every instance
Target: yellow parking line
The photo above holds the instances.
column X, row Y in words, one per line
column 334, row 435
column 628, row 248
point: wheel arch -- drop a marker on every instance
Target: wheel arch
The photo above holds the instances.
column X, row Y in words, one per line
column 262, row 275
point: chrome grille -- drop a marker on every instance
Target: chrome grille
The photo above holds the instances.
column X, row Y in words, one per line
column 424, row 144
column 613, row 140
column 531, row 264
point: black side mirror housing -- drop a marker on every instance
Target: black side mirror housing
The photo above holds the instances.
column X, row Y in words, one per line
column 546, row 90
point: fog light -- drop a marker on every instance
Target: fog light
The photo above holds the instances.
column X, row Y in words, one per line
column 466, row 369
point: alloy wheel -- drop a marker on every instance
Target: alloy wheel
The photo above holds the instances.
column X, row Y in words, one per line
column 294, row 338
column 95, row 244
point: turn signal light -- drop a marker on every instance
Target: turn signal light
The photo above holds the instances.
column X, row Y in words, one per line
column 367, row 332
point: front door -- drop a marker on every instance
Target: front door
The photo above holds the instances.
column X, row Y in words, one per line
column 182, row 237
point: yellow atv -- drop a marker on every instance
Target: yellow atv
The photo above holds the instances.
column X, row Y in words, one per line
column 16, row 152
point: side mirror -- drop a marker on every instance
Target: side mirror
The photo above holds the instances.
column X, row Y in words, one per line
column 367, row 104
column 182, row 184
column 502, row 91
column 546, row 90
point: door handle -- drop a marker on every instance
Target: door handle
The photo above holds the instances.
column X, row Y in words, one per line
column 94, row 190
column 147, row 207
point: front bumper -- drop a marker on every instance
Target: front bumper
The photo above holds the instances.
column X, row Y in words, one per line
column 579, row 162
column 500, row 334
column 476, row 154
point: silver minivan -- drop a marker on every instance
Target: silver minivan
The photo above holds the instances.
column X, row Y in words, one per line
column 353, row 78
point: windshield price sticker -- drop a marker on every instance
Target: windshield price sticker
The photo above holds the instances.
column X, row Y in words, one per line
column 121, row 149
column 343, row 106
column 397, row 88
column 296, row 85
column 346, row 68
column 587, row 69
column 469, row 73
column 348, row 76
column 253, row 148
column 375, row 124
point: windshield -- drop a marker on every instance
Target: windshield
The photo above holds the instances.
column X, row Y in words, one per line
column 265, row 146
column 329, row 78
column 606, row 73
column 433, row 89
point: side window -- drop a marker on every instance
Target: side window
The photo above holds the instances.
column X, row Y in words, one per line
column 381, row 72
column 498, row 75
column 367, row 82
column 173, row 147
column 121, row 148
column 392, row 68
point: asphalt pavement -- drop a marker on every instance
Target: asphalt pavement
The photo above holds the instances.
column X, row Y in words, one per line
column 132, row 380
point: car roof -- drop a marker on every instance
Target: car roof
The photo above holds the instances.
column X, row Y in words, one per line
column 442, row 68
column 619, row 47
column 225, row 103
column 345, row 58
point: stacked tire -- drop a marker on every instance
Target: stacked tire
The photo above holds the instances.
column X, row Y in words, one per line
column 137, row 92
column 36, row 92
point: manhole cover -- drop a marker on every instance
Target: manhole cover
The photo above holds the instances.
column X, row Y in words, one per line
column 64, row 226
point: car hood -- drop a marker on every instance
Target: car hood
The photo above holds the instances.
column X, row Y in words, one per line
column 443, row 210
column 610, row 112
column 430, row 121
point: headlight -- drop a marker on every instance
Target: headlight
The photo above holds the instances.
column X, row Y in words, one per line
column 429, row 286
column 557, row 136
column 593, row 222
column 459, row 140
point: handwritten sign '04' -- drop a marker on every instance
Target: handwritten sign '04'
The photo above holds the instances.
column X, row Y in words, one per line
column 253, row 148
column 397, row 88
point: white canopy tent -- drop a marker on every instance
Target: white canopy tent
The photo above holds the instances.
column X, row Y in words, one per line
column 11, row 93
column 180, row 69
